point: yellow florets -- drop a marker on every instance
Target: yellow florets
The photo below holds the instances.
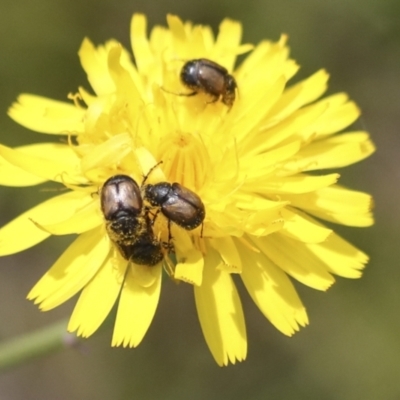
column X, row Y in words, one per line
column 251, row 164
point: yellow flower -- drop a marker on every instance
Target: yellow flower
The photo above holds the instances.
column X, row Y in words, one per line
column 252, row 164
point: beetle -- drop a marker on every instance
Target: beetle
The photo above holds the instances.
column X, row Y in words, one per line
column 204, row 75
column 121, row 204
column 146, row 249
column 178, row 204
column 127, row 222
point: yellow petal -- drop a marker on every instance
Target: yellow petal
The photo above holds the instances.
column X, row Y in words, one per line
column 66, row 168
column 136, row 309
column 123, row 81
column 107, row 153
column 47, row 116
column 297, row 184
column 94, row 62
column 230, row 256
column 97, row 298
column 300, row 227
column 22, row 233
column 220, row 313
column 140, row 44
column 273, row 292
column 189, row 260
column 334, row 152
column 295, row 259
column 341, row 257
column 300, row 94
column 339, row 113
column 267, row 161
column 269, row 59
column 179, row 36
column 250, row 114
column 228, row 40
column 143, row 275
column 336, row 204
column 273, row 133
column 10, row 175
column 72, row 271
column 84, row 219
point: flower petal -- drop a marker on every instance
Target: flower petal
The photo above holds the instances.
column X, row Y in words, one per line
column 341, row 257
column 94, row 62
column 22, row 233
column 299, row 95
column 180, row 38
column 220, row 313
column 336, row 204
column 140, row 44
column 268, row 160
column 227, row 249
column 339, row 113
column 107, row 153
column 227, row 43
column 84, row 219
column 72, row 271
column 295, row 259
column 10, row 175
column 97, row 298
column 47, row 116
column 189, row 260
column 300, row 227
column 136, row 309
column 276, row 132
column 297, row 184
column 334, row 152
column 250, row 115
column 143, row 275
column 273, row 292
column 65, row 168
column 123, row 81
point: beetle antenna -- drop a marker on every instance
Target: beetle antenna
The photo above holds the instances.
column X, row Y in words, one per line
column 150, row 171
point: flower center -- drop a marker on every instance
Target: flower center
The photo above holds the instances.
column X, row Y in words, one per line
column 186, row 160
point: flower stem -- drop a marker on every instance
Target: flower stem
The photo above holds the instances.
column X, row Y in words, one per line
column 29, row 346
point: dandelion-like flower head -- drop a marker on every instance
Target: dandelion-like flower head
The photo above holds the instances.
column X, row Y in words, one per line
column 251, row 161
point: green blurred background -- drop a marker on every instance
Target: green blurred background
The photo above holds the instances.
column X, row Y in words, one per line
column 351, row 349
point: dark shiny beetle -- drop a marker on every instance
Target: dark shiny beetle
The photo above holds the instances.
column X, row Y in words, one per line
column 179, row 204
column 127, row 221
column 203, row 75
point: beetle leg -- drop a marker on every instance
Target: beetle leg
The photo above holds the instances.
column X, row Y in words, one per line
column 180, row 93
column 214, row 99
column 169, row 232
column 153, row 215
column 187, row 94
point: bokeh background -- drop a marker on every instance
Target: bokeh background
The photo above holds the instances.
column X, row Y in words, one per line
column 351, row 349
